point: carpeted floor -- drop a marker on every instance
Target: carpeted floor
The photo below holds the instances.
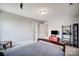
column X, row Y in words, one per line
column 72, row 51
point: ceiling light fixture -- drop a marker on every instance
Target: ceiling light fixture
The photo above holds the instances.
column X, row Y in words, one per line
column 70, row 4
column 43, row 11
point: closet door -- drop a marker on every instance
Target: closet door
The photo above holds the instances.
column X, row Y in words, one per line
column 78, row 35
column 75, row 35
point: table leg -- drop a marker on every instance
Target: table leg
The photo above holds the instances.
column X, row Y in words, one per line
column 10, row 43
column 4, row 46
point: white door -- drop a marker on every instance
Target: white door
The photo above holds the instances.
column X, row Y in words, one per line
column 43, row 31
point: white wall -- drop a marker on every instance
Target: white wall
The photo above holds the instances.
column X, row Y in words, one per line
column 35, row 28
column 17, row 28
column 0, row 28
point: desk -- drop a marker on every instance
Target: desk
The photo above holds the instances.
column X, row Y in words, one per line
column 5, row 43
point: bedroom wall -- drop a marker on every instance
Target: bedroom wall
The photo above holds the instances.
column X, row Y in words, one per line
column 56, row 23
column 17, row 28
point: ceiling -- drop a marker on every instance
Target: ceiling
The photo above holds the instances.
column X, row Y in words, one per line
column 31, row 10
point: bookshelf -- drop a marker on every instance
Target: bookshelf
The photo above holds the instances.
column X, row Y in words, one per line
column 66, row 34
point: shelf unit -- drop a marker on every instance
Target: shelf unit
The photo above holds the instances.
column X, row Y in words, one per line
column 66, row 33
column 76, row 35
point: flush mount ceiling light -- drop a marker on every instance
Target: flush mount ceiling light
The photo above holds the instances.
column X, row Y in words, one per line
column 70, row 4
column 43, row 11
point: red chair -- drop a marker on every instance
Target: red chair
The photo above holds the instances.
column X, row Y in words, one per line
column 53, row 38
